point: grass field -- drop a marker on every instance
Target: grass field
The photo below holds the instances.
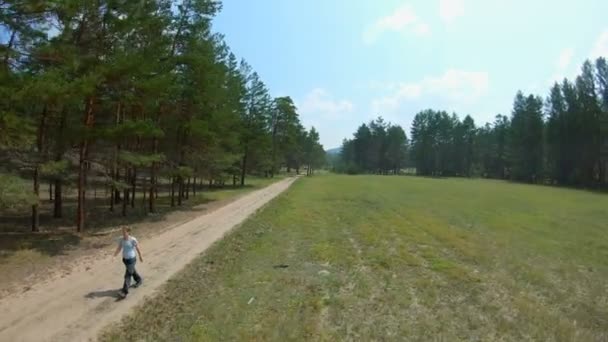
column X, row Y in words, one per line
column 394, row 258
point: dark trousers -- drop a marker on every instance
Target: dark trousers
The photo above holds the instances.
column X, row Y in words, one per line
column 130, row 272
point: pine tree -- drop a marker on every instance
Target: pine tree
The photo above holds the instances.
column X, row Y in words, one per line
column 256, row 139
column 602, row 87
column 526, row 138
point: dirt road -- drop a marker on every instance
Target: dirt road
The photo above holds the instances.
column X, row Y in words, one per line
column 78, row 306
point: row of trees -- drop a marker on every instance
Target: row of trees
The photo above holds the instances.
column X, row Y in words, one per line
column 135, row 92
column 377, row 147
column 562, row 140
column 442, row 144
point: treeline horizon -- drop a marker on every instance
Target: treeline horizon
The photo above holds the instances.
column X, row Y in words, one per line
column 562, row 140
column 133, row 92
column 376, row 147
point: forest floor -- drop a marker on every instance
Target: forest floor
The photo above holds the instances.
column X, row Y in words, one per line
column 365, row 258
column 75, row 306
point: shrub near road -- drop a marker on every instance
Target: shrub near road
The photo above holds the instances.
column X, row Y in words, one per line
column 364, row 258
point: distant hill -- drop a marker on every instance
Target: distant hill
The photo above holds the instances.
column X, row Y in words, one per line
column 334, row 151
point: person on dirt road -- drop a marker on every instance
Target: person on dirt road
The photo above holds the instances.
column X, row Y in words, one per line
column 128, row 244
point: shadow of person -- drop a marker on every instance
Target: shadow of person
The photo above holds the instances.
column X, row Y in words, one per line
column 103, row 293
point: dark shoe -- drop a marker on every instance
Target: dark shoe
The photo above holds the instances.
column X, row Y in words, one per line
column 122, row 294
column 138, row 284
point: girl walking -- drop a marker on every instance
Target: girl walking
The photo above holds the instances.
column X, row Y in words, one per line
column 129, row 246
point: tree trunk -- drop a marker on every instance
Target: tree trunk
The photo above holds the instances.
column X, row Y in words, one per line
column 35, row 207
column 188, row 189
column 172, row 191
column 143, row 196
column 133, row 187
column 194, row 187
column 88, row 122
column 39, row 146
column 58, row 201
column 58, row 204
column 244, row 168
column 125, row 199
column 50, row 191
column 112, row 197
column 151, row 197
column 116, row 191
column 115, row 170
column 234, row 181
column 180, row 190
column 210, row 183
column 7, row 54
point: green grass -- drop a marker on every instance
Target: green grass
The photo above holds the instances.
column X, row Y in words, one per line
column 394, row 258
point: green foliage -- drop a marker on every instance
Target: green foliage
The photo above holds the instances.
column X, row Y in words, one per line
column 526, row 138
column 128, row 85
column 118, row 185
column 137, row 128
column 15, row 193
column 377, row 147
column 183, row 171
column 54, row 169
column 140, row 160
column 15, row 131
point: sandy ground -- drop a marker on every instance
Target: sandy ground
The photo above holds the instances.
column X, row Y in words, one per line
column 77, row 306
column 30, row 267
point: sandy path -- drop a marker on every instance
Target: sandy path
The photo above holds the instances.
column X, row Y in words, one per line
column 78, row 306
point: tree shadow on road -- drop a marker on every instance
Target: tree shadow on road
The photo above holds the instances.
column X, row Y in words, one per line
column 51, row 244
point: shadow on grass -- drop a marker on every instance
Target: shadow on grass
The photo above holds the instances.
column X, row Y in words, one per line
column 51, row 244
column 99, row 216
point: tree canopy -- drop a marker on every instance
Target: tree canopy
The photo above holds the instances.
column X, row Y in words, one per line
column 134, row 92
column 376, row 147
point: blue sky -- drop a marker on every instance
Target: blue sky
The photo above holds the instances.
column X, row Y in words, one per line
column 345, row 62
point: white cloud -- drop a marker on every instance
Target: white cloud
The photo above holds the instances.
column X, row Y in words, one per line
column 392, row 102
column 564, row 59
column 403, row 19
column 449, row 10
column 454, row 86
column 459, row 85
column 422, row 29
column 320, row 102
column 563, row 67
column 600, row 49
